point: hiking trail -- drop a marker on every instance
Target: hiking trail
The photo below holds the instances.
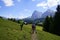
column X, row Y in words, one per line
column 34, row 36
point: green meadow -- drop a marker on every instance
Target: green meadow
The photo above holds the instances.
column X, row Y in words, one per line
column 11, row 31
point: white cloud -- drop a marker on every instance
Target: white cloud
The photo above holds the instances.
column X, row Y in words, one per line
column 43, row 4
column 33, row 0
column 49, row 3
column 21, row 17
column 14, row 16
column 8, row 15
column 26, row 10
column 52, row 3
column 18, row 0
column 8, row 2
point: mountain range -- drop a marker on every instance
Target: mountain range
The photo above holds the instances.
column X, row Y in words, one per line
column 39, row 15
column 36, row 15
column 48, row 13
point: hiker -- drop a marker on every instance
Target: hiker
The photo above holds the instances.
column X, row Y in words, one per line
column 33, row 28
column 21, row 26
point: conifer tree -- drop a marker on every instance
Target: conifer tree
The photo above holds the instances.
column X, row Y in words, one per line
column 57, row 21
column 46, row 24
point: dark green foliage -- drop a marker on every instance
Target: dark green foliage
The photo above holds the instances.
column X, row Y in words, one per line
column 46, row 24
column 57, row 21
column 1, row 17
column 13, row 19
column 51, row 24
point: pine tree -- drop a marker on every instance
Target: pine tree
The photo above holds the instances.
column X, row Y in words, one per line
column 57, row 21
column 46, row 24
column 51, row 24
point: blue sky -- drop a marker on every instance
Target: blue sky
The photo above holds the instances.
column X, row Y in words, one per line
column 25, row 8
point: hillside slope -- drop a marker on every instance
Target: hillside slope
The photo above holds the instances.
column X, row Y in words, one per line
column 11, row 31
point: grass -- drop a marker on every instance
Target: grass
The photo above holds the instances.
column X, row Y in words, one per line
column 11, row 31
column 42, row 35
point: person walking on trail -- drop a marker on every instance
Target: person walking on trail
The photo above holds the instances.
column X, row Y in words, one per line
column 33, row 28
column 21, row 26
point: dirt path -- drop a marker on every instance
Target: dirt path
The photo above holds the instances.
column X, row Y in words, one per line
column 34, row 36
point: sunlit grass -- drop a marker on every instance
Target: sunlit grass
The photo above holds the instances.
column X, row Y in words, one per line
column 11, row 31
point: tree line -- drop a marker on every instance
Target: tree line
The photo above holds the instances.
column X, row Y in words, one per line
column 52, row 24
